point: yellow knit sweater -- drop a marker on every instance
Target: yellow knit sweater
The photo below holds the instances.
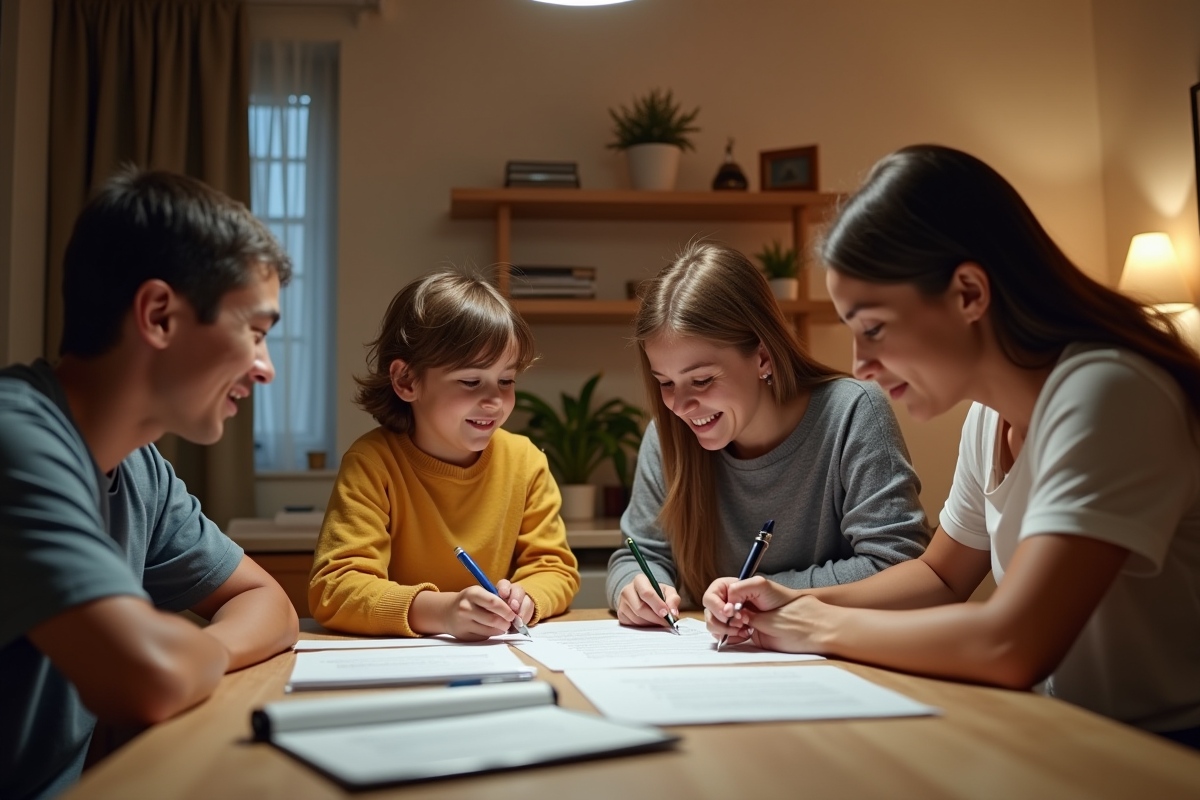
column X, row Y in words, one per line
column 396, row 515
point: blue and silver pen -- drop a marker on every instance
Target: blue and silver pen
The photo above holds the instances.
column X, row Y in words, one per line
column 761, row 543
column 474, row 569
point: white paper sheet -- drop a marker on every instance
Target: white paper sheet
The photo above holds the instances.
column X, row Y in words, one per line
column 606, row 644
column 333, row 669
column 308, row 645
column 705, row 695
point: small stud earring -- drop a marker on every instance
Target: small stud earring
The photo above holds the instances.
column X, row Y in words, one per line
column 767, row 378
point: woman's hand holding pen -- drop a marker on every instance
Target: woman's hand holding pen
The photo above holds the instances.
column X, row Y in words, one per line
column 770, row 615
column 640, row 605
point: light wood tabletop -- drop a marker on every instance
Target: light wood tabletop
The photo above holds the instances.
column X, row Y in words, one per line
column 989, row 743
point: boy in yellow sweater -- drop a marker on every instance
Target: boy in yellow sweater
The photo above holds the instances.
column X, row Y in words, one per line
column 439, row 474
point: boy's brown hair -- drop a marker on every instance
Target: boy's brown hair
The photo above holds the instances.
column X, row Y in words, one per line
column 445, row 319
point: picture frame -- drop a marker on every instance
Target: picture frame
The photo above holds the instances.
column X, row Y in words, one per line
column 1196, row 133
column 792, row 170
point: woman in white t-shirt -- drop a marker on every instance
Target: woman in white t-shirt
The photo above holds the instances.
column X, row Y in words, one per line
column 1078, row 478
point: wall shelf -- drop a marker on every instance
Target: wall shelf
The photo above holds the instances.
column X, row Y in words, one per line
column 504, row 205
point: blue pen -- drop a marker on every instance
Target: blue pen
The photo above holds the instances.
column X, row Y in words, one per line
column 761, row 543
column 474, row 569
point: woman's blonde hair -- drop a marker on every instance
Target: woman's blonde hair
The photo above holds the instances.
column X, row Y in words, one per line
column 713, row 293
column 446, row 319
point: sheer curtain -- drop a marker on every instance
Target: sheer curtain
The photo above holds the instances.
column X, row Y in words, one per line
column 293, row 182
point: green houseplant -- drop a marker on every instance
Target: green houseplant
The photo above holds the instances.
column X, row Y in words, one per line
column 782, row 268
column 580, row 438
column 653, row 133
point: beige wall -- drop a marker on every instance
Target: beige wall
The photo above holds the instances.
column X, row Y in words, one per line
column 441, row 94
column 1147, row 57
column 1081, row 103
column 24, row 125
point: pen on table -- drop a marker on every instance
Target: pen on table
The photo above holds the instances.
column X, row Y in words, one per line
column 632, row 545
column 761, row 543
column 471, row 566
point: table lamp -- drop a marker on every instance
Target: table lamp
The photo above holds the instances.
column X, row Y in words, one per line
column 1152, row 275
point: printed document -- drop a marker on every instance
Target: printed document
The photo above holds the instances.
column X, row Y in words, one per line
column 338, row 669
column 606, row 644
column 380, row 644
column 705, row 695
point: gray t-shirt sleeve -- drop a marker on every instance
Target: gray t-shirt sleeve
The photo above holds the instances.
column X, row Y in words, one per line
column 54, row 549
column 187, row 555
column 872, row 481
column 640, row 523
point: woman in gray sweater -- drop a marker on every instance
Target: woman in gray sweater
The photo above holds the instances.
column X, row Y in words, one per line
column 751, row 428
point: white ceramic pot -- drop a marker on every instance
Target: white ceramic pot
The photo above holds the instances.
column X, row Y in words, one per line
column 578, row 501
column 785, row 288
column 653, row 166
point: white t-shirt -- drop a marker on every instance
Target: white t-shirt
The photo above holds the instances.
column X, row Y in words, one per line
column 1110, row 454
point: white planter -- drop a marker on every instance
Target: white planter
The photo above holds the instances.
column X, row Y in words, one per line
column 578, row 501
column 653, row 166
column 785, row 288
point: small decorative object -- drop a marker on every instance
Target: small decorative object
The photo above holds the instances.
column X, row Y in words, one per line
column 792, row 170
column 539, row 174
column 781, row 268
column 580, row 439
column 1196, row 129
column 653, row 134
column 316, row 459
column 730, row 175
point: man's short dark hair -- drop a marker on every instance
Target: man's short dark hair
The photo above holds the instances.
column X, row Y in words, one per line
column 146, row 225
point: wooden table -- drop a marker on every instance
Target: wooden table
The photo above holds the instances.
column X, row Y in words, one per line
column 990, row 743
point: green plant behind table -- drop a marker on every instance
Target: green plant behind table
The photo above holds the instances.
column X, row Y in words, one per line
column 777, row 262
column 580, row 438
column 654, row 118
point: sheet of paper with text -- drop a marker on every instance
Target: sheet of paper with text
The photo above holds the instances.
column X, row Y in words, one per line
column 606, row 644
column 706, row 695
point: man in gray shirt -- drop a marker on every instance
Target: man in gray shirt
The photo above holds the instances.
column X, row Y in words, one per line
column 169, row 290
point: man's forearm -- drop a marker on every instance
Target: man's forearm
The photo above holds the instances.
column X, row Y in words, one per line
column 255, row 625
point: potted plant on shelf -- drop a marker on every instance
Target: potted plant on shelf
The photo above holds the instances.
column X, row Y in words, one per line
column 781, row 268
column 653, row 134
column 580, row 439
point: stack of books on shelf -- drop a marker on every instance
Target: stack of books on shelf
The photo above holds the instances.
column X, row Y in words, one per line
column 560, row 174
column 577, row 282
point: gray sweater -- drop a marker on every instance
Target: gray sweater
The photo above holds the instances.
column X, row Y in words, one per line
column 840, row 488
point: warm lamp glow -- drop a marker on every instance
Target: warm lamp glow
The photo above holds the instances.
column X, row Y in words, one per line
column 1152, row 273
column 582, row 2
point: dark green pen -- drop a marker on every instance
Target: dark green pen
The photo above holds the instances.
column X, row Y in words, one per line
column 632, row 545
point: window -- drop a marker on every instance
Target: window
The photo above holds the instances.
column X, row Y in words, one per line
column 293, row 189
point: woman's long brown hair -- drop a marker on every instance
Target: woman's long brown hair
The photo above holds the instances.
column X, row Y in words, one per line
column 926, row 209
column 712, row 293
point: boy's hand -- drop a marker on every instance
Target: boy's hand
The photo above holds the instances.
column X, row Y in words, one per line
column 514, row 594
column 477, row 614
column 640, row 604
